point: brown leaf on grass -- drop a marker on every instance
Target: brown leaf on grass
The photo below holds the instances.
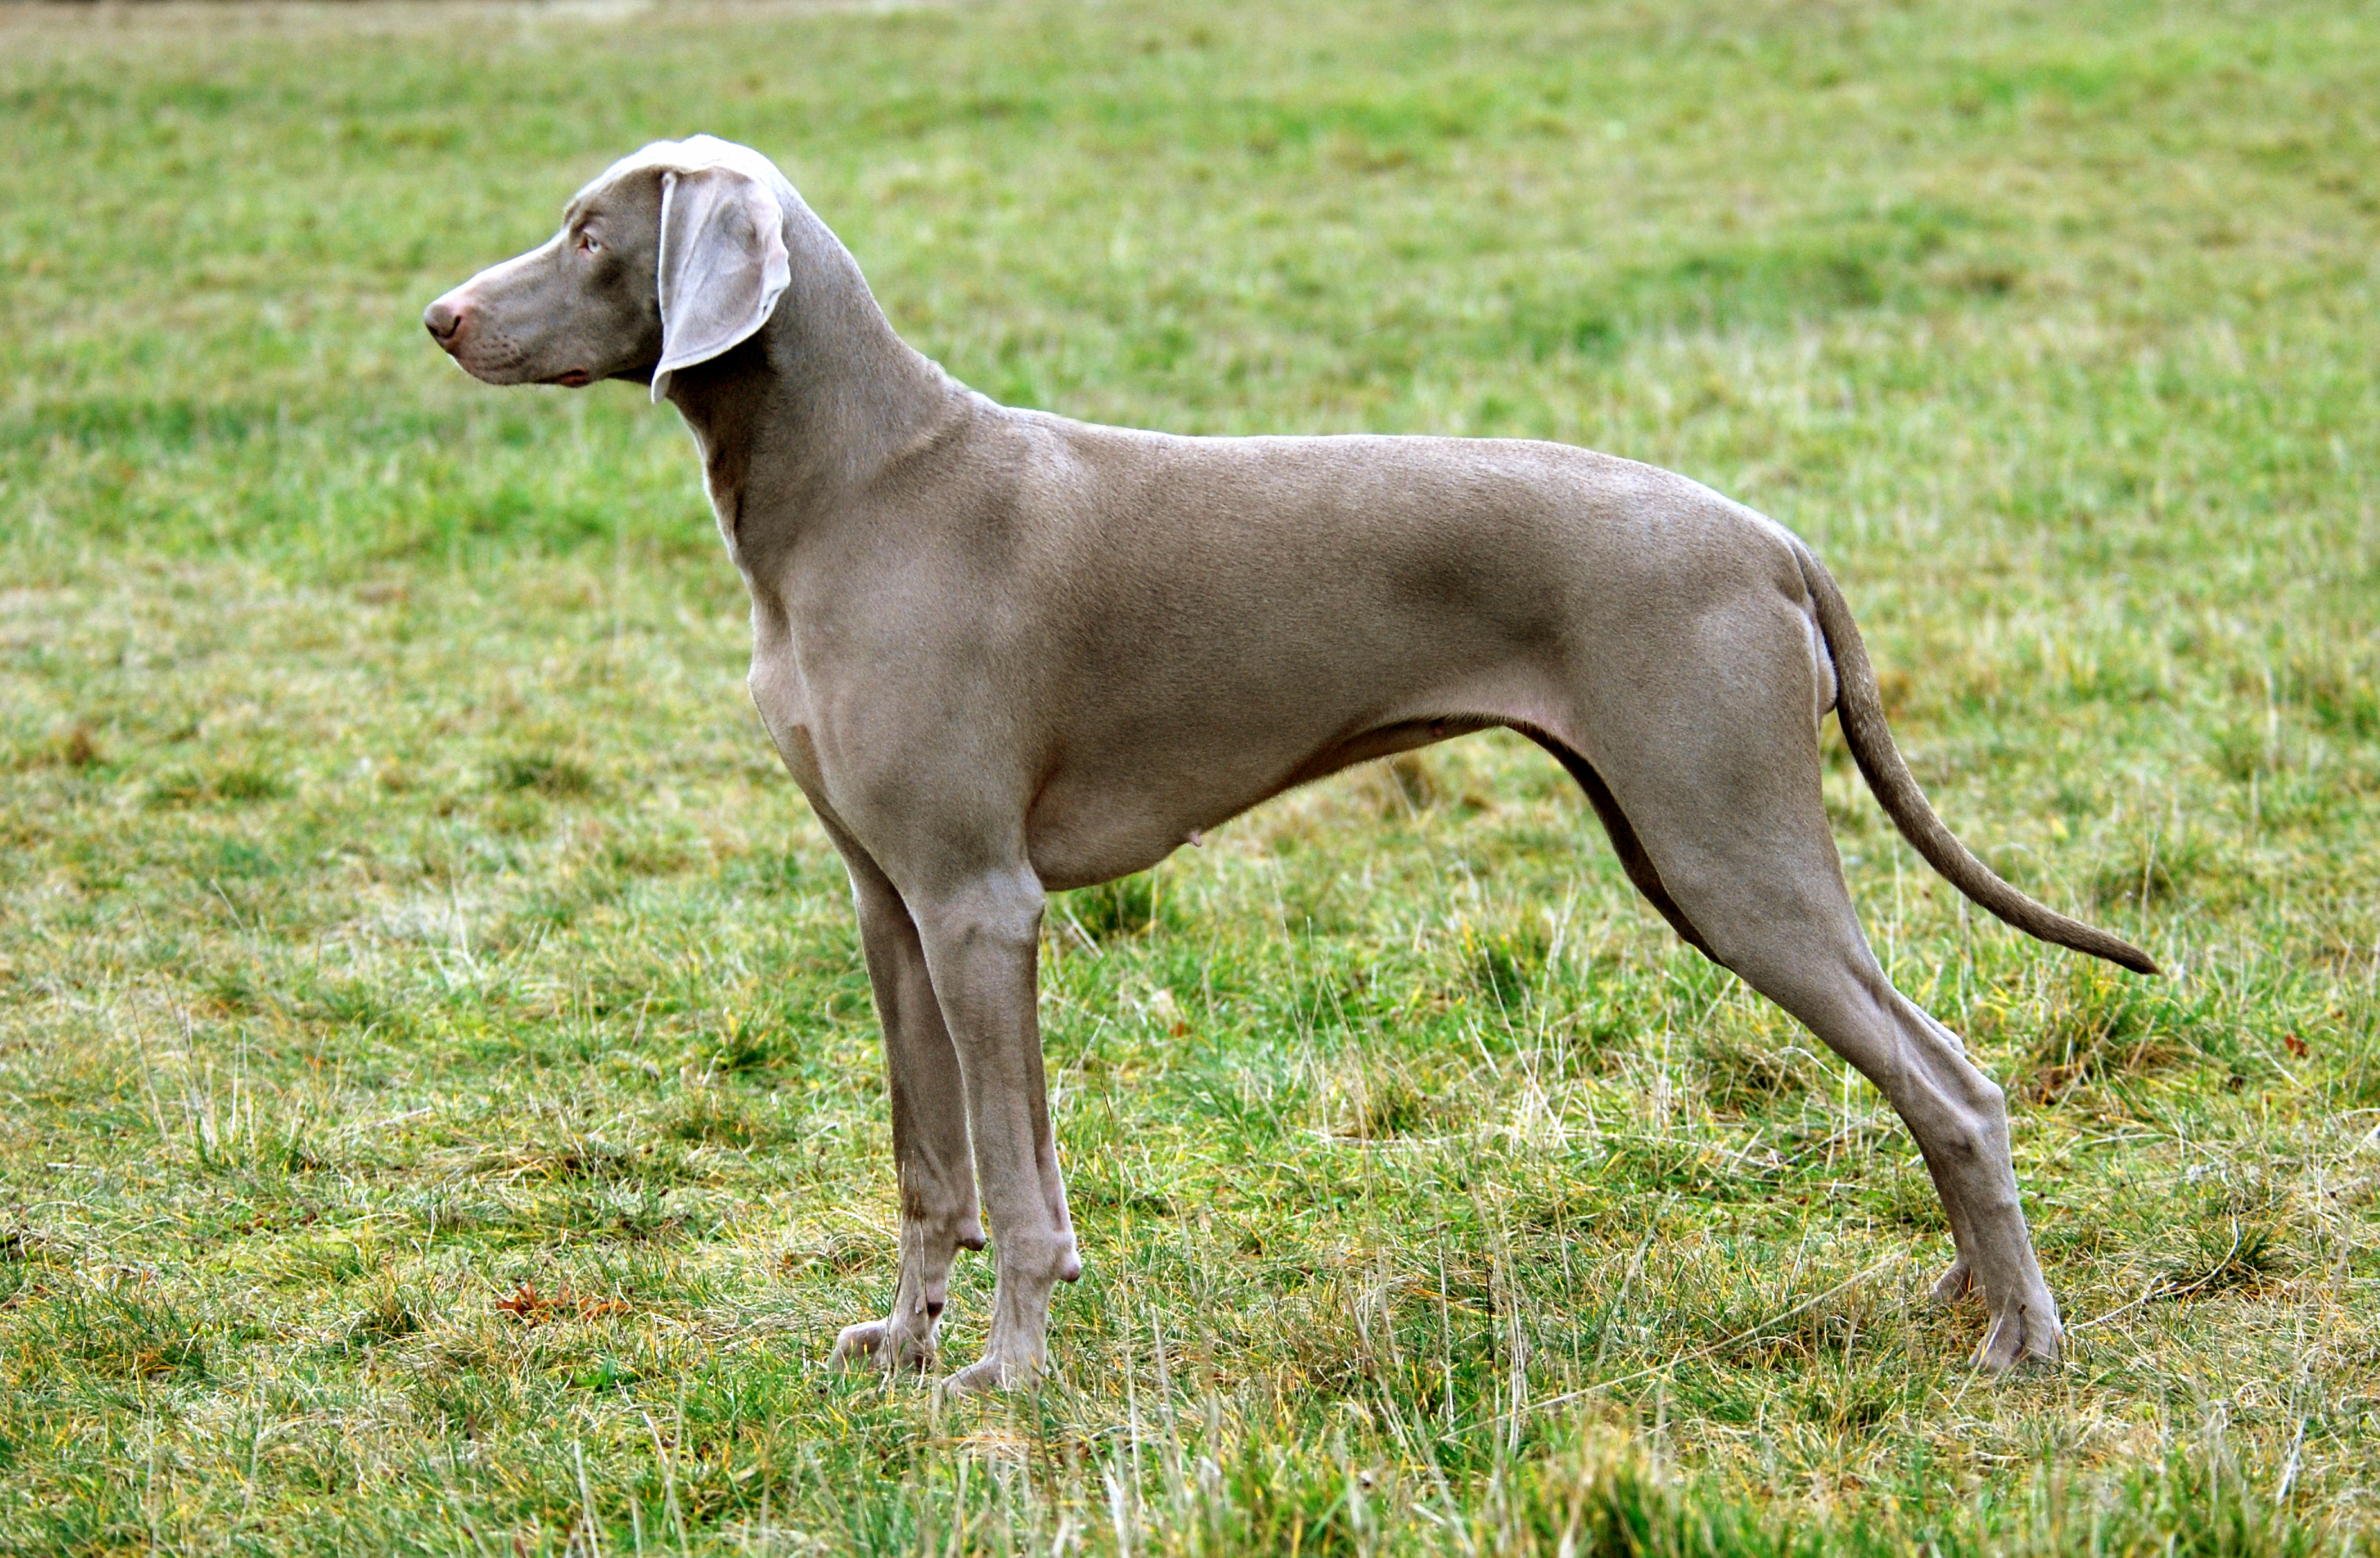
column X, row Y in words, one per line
column 78, row 748
column 526, row 1304
column 530, row 1307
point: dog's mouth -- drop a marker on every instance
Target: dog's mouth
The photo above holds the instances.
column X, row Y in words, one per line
column 577, row 378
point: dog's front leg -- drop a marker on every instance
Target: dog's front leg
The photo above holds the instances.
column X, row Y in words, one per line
column 929, row 1132
column 981, row 942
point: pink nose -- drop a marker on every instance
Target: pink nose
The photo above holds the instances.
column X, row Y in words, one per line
column 444, row 321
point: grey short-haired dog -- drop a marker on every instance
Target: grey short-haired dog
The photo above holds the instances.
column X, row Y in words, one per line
column 1003, row 652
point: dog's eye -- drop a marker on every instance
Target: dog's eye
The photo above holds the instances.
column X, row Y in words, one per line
column 588, row 245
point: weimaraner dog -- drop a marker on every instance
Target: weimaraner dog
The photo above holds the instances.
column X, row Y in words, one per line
column 1005, row 654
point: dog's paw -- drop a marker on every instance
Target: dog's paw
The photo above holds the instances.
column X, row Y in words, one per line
column 989, row 1373
column 1954, row 1283
column 872, row 1345
column 2021, row 1333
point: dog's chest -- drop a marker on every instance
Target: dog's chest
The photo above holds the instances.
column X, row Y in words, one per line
column 782, row 698
column 726, row 506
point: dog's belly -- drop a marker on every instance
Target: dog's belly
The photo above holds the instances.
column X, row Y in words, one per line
column 1094, row 822
column 1084, row 851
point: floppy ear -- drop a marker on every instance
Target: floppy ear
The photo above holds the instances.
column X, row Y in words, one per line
column 722, row 264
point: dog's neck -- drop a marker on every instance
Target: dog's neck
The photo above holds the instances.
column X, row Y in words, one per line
column 814, row 405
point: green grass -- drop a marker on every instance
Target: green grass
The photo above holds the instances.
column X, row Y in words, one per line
column 442, row 1111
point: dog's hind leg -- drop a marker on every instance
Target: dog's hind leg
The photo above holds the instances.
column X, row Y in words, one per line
column 1625, row 842
column 1727, row 807
column 929, row 1132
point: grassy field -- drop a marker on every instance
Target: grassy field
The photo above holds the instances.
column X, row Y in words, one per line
column 442, row 1108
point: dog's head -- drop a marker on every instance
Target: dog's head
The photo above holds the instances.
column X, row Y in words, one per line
column 668, row 259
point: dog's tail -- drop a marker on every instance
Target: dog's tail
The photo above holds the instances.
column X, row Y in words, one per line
column 1860, row 707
